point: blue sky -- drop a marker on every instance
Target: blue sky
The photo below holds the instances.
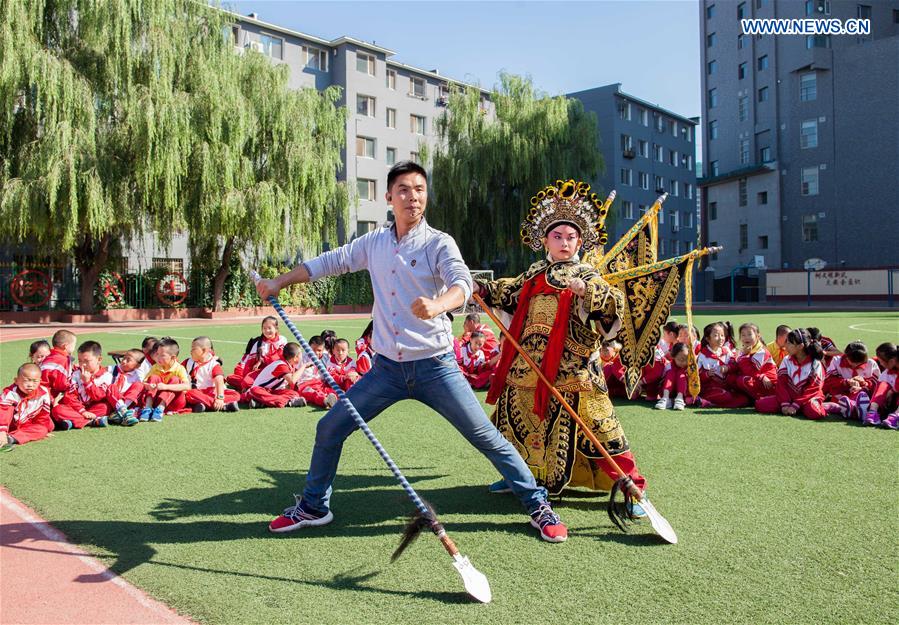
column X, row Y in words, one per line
column 651, row 47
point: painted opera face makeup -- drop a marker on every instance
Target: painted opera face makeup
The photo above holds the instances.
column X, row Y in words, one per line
column 562, row 242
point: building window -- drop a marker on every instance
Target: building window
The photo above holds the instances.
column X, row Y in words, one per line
column 688, row 219
column 864, row 12
column 674, row 188
column 741, row 41
column 744, row 108
column 391, row 79
column 660, row 184
column 643, row 148
column 626, row 142
column 744, row 151
column 762, row 197
column 713, row 98
column 714, row 244
column 744, row 236
column 743, row 194
column 391, row 118
column 366, row 189
column 672, row 158
column 315, row 58
column 415, row 157
column 817, row 41
column 365, row 147
column 624, row 110
column 808, row 134
column 627, row 208
column 365, row 63
column 896, row 16
column 713, row 211
column 417, row 124
column 391, row 156
column 710, row 40
column 763, row 94
column 660, row 122
column 809, row 228
column 763, row 242
column 713, row 130
column 808, row 87
column 741, row 71
column 712, row 67
column 710, row 11
column 661, row 216
column 688, row 191
column 659, row 152
column 762, row 63
column 687, row 132
column 713, row 168
column 365, row 105
column 417, row 87
column 765, row 155
column 741, row 10
column 644, row 117
column 231, row 34
column 272, row 46
column 643, row 177
column 171, row 265
column 809, row 181
column 662, row 242
column 626, row 176
column 364, row 227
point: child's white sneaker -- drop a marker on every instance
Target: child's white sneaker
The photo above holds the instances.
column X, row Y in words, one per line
column 679, row 403
column 662, row 404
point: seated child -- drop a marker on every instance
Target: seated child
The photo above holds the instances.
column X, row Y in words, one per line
column 260, row 351
column 674, row 380
column 84, row 404
column 652, row 376
column 689, row 336
column 799, row 379
column 883, row 354
column 24, row 409
column 274, row 386
column 777, row 347
column 364, row 350
column 715, row 363
column 669, row 336
column 885, row 399
column 311, row 386
column 126, row 388
column 850, row 381
column 612, row 369
column 829, row 347
column 341, row 366
column 38, row 351
column 475, row 366
column 754, row 372
column 148, row 347
column 166, row 384
column 56, row 368
column 473, row 324
column 207, row 380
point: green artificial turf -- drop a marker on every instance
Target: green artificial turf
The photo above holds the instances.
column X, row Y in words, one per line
column 780, row 520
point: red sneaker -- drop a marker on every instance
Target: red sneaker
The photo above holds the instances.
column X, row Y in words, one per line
column 297, row 516
column 550, row 525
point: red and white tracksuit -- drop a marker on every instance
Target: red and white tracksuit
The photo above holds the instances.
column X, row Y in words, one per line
column 87, row 393
column 653, row 375
column 840, row 371
column 475, row 367
column 798, row 385
column 202, row 381
column 56, row 372
column 490, row 343
column 752, row 368
column 713, row 381
column 126, row 387
column 270, row 388
column 341, row 371
column 259, row 353
column 886, row 393
column 675, row 380
column 25, row 417
column 364, row 352
column 613, row 372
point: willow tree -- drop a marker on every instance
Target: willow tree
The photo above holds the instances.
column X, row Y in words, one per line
column 486, row 167
column 95, row 123
column 263, row 166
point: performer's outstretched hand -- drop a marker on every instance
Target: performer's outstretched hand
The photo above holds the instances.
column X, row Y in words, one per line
column 577, row 286
column 267, row 287
column 426, row 308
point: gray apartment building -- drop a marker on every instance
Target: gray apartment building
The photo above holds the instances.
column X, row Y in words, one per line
column 800, row 137
column 647, row 151
column 392, row 107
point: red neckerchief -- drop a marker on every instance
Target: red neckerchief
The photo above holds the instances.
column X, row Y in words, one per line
column 706, row 350
column 552, row 355
column 844, row 363
column 799, row 365
column 32, row 395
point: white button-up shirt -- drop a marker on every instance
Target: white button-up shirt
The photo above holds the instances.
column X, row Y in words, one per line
column 424, row 263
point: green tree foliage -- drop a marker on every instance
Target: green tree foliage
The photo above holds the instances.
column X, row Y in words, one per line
column 263, row 166
column 487, row 167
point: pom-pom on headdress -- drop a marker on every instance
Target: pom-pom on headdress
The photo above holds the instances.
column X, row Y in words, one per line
column 566, row 201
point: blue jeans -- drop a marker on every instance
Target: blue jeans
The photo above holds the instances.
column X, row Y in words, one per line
column 436, row 382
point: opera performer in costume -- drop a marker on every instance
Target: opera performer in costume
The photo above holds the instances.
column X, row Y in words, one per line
column 561, row 311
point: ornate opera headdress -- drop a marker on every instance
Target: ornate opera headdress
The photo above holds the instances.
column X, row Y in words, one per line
column 566, row 202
